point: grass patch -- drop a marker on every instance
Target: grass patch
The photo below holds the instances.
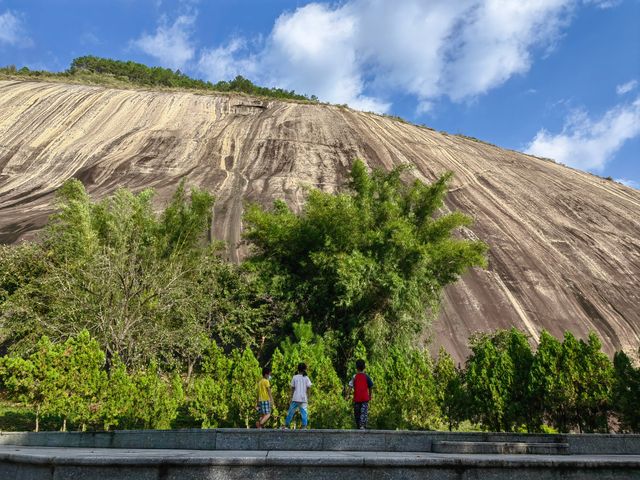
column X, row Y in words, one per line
column 15, row 417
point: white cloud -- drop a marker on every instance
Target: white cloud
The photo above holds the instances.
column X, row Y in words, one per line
column 171, row 44
column 587, row 144
column 224, row 63
column 496, row 42
column 315, row 50
column 626, row 87
column 311, row 51
column 629, row 183
column 12, row 31
column 355, row 51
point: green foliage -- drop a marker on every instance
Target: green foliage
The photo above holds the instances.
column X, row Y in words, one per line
column 626, row 392
column 71, row 384
column 157, row 399
column 36, row 381
column 146, row 286
column 404, row 391
column 230, row 302
column 282, row 370
column 65, row 379
column 365, row 264
column 22, row 267
column 546, row 386
column 450, row 390
column 124, row 295
column 102, row 69
column 82, row 380
column 208, row 398
column 570, row 383
column 517, row 412
column 496, row 375
column 244, row 378
column 19, row 265
column 593, row 387
column 118, row 398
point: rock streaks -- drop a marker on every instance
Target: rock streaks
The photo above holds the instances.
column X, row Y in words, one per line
column 564, row 245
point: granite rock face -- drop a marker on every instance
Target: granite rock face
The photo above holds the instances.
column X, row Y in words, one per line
column 564, row 245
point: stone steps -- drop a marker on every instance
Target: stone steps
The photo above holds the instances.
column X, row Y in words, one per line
column 62, row 463
column 525, row 448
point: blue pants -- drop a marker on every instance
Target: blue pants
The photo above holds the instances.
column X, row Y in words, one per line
column 361, row 414
column 292, row 411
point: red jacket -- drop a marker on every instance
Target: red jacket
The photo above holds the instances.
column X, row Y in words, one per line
column 361, row 384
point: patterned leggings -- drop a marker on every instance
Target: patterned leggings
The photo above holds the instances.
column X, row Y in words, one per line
column 361, row 414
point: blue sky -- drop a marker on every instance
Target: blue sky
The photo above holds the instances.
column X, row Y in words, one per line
column 556, row 78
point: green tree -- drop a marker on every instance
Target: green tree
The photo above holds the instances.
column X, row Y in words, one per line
column 497, row 374
column 626, row 393
column 210, row 393
column 146, row 286
column 120, row 272
column 570, row 383
column 548, row 389
column 22, row 268
column 489, row 373
column 450, row 390
column 282, row 370
column 518, row 412
column 83, row 380
column 36, row 381
column 157, row 399
column 594, row 385
column 368, row 263
column 405, row 391
column 244, row 378
column 119, row 398
column 138, row 73
column 230, row 302
column 19, row 265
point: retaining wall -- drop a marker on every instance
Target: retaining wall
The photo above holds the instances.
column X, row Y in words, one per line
column 232, row 454
column 319, row 440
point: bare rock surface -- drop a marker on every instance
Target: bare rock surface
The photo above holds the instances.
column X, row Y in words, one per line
column 564, row 244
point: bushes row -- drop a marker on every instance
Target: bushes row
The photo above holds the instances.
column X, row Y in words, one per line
column 504, row 386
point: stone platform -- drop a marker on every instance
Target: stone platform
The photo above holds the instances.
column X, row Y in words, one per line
column 320, row 454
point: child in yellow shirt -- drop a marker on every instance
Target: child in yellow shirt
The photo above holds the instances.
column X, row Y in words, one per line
column 265, row 399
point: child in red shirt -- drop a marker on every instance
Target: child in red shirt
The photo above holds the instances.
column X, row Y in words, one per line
column 361, row 384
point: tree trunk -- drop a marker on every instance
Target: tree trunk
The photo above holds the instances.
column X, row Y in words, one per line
column 37, row 419
column 189, row 372
column 64, row 425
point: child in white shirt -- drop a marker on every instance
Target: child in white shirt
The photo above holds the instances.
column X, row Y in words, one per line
column 300, row 384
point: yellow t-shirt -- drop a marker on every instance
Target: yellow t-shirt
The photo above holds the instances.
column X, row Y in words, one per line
column 263, row 390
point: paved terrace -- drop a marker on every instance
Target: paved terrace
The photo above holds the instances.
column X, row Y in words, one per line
column 319, row 454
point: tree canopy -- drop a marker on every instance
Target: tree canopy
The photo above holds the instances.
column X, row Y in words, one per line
column 368, row 263
column 147, row 286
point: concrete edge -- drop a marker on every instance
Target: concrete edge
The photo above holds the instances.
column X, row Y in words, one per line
column 294, row 459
